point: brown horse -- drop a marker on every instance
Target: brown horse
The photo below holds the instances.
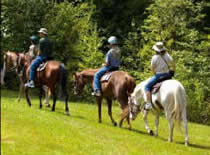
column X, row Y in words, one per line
column 11, row 64
column 119, row 86
column 53, row 74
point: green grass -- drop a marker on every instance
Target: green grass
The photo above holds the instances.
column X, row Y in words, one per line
column 31, row 131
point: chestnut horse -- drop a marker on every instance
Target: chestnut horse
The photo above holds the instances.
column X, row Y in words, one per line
column 118, row 87
column 53, row 74
column 11, row 64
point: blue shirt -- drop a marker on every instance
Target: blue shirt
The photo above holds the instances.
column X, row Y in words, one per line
column 113, row 57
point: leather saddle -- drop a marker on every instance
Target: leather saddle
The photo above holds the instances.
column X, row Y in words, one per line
column 42, row 66
column 107, row 76
column 157, row 86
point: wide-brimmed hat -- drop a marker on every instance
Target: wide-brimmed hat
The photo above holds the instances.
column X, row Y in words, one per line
column 158, row 47
column 43, row 30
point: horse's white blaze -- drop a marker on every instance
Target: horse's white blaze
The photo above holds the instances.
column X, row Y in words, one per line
column 172, row 97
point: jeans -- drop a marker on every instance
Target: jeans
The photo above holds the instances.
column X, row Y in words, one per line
column 154, row 80
column 99, row 74
column 38, row 60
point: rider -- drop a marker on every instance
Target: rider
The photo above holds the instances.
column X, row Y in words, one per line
column 160, row 67
column 45, row 51
column 33, row 49
column 112, row 63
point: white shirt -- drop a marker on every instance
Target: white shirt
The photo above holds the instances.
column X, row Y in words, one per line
column 159, row 64
column 33, row 50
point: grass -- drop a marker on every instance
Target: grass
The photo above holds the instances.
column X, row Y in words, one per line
column 31, row 131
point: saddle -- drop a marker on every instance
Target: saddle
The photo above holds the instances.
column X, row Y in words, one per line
column 157, row 86
column 42, row 66
column 107, row 76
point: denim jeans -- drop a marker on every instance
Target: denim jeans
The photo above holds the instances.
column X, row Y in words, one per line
column 38, row 60
column 154, row 80
column 99, row 74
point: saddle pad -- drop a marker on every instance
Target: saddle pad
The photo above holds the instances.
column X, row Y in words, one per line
column 42, row 66
column 106, row 76
column 156, row 87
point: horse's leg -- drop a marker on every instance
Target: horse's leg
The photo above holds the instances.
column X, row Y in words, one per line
column 66, row 104
column 146, row 123
column 109, row 103
column 156, row 123
column 124, row 114
column 21, row 89
column 47, row 96
column 27, row 96
column 40, row 97
column 99, row 100
column 128, row 120
column 184, row 118
column 54, row 99
column 171, row 128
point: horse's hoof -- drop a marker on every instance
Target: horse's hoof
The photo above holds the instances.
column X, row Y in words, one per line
column 48, row 105
column 186, row 143
column 99, row 121
column 115, row 124
column 53, row 110
column 67, row 113
column 151, row 133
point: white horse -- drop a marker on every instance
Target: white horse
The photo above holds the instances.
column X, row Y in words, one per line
column 171, row 98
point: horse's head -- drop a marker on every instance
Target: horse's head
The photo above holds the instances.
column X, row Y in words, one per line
column 134, row 108
column 20, row 62
column 78, row 83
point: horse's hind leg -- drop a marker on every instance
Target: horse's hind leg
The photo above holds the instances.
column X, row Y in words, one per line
column 47, row 96
column 27, row 97
column 66, row 104
column 54, row 100
column 184, row 118
column 21, row 89
column 171, row 128
column 109, row 103
column 99, row 100
column 156, row 123
column 40, row 97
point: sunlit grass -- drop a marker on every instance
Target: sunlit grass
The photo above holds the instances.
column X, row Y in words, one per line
column 26, row 130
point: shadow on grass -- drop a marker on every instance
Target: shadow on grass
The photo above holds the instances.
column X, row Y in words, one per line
column 197, row 146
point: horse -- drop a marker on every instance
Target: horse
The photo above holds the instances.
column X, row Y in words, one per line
column 51, row 76
column 117, row 87
column 171, row 98
column 11, row 63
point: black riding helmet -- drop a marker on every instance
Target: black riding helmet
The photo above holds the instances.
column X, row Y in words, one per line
column 34, row 39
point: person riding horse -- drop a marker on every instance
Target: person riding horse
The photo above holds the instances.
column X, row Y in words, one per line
column 160, row 68
column 34, row 47
column 45, row 50
column 112, row 63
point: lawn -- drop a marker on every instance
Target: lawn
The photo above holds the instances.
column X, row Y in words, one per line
column 31, row 131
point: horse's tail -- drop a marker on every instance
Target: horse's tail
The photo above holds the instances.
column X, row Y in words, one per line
column 63, row 79
column 180, row 103
column 130, row 84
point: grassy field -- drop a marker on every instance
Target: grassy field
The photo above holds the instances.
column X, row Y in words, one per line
column 31, row 131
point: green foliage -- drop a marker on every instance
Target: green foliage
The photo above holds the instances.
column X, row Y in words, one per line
column 80, row 28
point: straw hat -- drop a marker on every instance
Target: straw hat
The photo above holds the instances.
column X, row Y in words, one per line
column 43, row 30
column 159, row 47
